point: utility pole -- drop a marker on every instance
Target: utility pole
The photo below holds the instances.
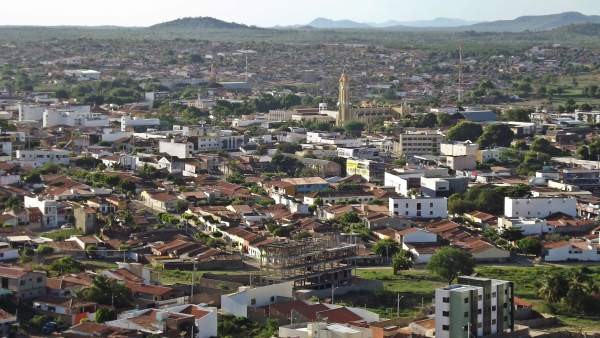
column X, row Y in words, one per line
column 192, row 286
column 460, row 73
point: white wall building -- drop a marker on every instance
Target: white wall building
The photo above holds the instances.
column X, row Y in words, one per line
column 528, row 226
column 52, row 118
column 39, row 157
column 128, row 122
column 48, row 208
column 539, row 207
column 419, row 207
column 237, row 303
column 181, row 150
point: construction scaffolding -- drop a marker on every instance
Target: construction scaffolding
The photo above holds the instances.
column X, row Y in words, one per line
column 314, row 263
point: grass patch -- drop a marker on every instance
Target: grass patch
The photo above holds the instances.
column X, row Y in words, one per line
column 61, row 234
column 98, row 265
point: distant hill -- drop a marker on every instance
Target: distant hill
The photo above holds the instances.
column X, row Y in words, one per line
column 323, row 23
column 437, row 22
column 534, row 23
column 199, row 23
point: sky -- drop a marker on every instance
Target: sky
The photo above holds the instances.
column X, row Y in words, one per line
column 267, row 13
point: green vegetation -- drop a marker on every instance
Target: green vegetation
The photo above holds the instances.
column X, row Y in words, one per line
column 61, row 234
column 465, row 131
column 234, row 327
column 107, row 291
column 486, row 198
column 417, row 284
column 449, row 263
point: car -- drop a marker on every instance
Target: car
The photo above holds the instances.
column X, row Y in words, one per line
column 49, row 328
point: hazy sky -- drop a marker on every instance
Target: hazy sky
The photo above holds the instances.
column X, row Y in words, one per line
column 273, row 12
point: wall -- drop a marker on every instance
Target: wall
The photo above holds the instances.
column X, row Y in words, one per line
column 539, row 207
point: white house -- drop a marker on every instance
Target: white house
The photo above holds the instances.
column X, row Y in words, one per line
column 539, row 207
column 52, row 118
column 415, row 235
column 237, row 303
column 39, row 157
column 528, row 226
column 128, row 122
column 576, row 249
column 419, row 207
column 48, row 208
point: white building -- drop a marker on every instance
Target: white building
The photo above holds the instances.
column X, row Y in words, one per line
column 39, row 157
column 419, row 207
column 83, row 74
column 418, row 143
column 181, row 150
column 332, row 138
column 48, row 208
column 237, row 303
column 540, row 207
column 52, row 118
column 528, row 226
column 36, row 112
column 128, row 122
column 576, row 249
column 154, row 321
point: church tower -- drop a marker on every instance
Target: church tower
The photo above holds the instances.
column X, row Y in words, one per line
column 344, row 111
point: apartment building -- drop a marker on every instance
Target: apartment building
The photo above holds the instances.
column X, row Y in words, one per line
column 418, row 143
column 372, row 171
column 540, row 207
column 476, row 307
column 419, row 207
column 39, row 157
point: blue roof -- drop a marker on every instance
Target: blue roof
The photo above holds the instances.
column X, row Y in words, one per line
column 479, row 116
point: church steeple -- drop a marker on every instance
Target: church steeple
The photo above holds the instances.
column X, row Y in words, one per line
column 344, row 100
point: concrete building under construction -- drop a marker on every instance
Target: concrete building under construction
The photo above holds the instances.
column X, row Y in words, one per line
column 314, row 263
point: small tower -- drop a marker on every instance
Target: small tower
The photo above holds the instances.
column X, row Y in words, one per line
column 344, row 111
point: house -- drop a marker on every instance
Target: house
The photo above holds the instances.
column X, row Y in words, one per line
column 306, row 185
column 23, row 283
column 575, row 249
column 89, row 329
column 528, row 226
column 480, row 217
column 67, row 310
column 174, row 321
column 7, row 323
column 7, row 253
column 414, row 235
column 241, row 303
column 160, row 201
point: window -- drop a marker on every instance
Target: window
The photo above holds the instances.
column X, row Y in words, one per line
column 253, row 301
column 479, row 311
column 493, row 322
column 467, row 314
column 494, row 294
column 272, row 299
column 466, row 300
column 445, row 313
column 465, row 328
column 494, row 308
column 446, row 300
column 39, row 279
column 446, row 327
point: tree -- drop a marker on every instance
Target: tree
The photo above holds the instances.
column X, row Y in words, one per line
column 449, row 263
column 457, row 205
column 402, row 260
column 66, row 265
column 518, row 114
column 103, row 314
column 530, row 245
column 498, row 135
column 107, row 291
column 386, row 248
column 542, row 145
column 553, row 286
column 512, row 234
column 44, row 250
column 354, row 128
column 464, row 131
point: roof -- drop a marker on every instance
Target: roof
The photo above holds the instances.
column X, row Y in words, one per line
column 149, row 289
column 64, row 302
column 479, row 116
column 305, row 180
column 13, row 271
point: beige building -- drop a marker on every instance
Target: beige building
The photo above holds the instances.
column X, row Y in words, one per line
column 418, row 143
column 23, row 283
column 85, row 219
column 160, row 201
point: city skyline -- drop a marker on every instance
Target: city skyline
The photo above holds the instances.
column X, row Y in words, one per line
column 112, row 12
